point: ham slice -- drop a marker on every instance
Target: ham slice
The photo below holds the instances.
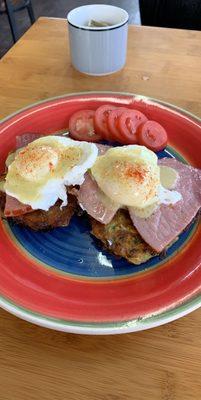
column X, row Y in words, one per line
column 102, row 148
column 14, row 207
column 163, row 227
column 92, row 200
column 26, row 138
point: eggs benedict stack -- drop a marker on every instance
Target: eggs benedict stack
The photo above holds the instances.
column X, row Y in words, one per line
column 139, row 204
column 38, row 178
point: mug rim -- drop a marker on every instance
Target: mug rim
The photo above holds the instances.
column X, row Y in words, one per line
column 101, row 28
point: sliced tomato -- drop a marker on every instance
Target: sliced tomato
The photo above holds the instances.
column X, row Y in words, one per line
column 14, row 207
column 113, row 123
column 81, row 126
column 152, row 135
column 101, row 119
column 128, row 123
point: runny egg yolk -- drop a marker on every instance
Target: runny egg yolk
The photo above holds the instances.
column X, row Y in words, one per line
column 129, row 175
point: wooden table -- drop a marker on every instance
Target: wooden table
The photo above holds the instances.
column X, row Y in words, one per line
column 163, row 363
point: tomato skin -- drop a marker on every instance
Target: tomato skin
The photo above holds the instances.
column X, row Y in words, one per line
column 128, row 123
column 101, row 118
column 81, row 126
column 152, row 135
column 113, row 123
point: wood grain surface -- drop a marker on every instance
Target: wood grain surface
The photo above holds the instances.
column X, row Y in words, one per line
column 160, row 364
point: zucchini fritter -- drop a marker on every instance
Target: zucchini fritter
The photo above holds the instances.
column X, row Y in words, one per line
column 122, row 239
column 40, row 220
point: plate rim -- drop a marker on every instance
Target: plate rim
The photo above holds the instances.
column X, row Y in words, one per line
column 137, row 96
column 134, row 325
column 98, row 328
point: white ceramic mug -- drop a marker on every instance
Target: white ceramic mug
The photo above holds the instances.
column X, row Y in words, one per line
column 98, row 50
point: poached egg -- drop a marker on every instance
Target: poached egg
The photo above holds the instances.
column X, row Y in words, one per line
column 40, row 172
column 130, row 176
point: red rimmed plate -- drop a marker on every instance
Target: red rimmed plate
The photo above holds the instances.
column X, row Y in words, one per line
column 61, row 279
